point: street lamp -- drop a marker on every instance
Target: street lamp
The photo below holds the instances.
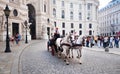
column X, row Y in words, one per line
column 26, row 40
column 7, row 13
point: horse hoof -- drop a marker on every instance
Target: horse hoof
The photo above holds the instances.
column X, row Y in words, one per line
column 67, row 63
column 77, row 57
column 64, row 60
column 72, row 57
column 80, row 63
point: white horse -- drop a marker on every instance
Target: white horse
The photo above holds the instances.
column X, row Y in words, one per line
column 77, row 45
column 64, row 44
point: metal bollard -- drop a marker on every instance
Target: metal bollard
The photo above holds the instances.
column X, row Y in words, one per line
column 107, row 49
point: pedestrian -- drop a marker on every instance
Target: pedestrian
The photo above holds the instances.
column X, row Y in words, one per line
column 105, row 44
column 98, row 41
column 17, row 38
column 111, row 42
column 87, row 41
column 116, row 41
column 91, row 41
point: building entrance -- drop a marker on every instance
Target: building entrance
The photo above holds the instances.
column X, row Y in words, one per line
column 32, row 20
column 15, row 28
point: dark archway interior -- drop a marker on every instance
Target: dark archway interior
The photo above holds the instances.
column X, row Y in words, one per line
column 15, row 28
column 32, row 20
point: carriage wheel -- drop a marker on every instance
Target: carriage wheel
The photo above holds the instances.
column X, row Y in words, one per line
column 52, row 52
column 47, row 46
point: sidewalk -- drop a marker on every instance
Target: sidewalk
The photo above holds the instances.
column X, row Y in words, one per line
column 9, row 62
column 111, row 50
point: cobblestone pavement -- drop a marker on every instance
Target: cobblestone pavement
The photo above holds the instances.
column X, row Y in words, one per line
column 9, row 61
column 37, row 60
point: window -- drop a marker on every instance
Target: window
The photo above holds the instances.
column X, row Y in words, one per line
column 55, row 24
column 63, row 14
column 72, row 31
column 54, row 1
column 71, row 15
column 71, row 5
column 63, row 4
column 90, row 32
column 90, row 25
column 63, row 32
column 80, row 25
column 80, row 16
column 72, row 25
column 44, row 8
column 80, row 7
column 88, row 18
column 80, row 32
column 89, row 6
column 63, row 25
column 54, row 12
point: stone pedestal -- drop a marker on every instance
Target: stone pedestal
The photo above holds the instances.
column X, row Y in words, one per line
column 28, row 36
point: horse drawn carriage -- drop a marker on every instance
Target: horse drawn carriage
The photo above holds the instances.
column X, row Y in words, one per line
column 59, row 44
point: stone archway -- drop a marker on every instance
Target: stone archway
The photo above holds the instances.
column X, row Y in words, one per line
column 32, row 20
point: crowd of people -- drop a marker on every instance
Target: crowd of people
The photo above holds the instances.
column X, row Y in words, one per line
column 90, row 41
column 102, row 41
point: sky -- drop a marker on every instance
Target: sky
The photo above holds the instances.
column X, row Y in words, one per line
column 103, row 3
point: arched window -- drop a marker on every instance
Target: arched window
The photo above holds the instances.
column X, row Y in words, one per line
column 54, row 12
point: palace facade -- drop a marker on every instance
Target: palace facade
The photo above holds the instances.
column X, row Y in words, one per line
column 43, row 16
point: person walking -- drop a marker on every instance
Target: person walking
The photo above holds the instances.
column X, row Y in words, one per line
column 105, row 44
column 117, row 42
column 111, row 42
column 98, row 41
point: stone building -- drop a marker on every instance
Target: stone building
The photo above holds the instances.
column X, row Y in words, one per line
column 109, row 19
column 43, row 16
column 75, row 15
column 18, row 14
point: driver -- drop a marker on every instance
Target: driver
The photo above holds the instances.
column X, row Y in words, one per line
column 56, row 34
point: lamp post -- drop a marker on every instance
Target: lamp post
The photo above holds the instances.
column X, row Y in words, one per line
column 7, row 13
column 26, row 40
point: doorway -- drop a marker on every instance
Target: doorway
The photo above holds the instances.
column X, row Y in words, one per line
column 32, row 20
column 15, row 28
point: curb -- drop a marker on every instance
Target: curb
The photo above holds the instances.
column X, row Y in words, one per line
column 103, row 50
column 16, row 65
